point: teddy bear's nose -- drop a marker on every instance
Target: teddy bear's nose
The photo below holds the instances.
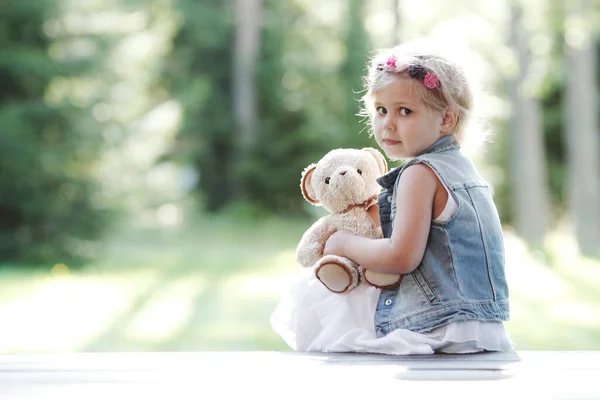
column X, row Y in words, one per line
column 343, row 173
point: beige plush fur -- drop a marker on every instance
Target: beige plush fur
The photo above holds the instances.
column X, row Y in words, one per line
column 343, row 182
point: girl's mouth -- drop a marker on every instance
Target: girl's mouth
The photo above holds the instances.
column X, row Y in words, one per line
column 390, row 142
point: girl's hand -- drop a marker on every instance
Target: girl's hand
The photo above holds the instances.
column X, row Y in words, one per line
column 336, row 243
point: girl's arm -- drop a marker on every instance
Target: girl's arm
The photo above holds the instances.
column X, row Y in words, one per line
column 403, row 252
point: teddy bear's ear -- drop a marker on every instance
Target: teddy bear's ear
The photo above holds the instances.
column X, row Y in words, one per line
column 305, row 184
column 383, row 168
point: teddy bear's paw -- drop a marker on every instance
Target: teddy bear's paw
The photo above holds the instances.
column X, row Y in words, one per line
column 337, row 274
column 380, row 280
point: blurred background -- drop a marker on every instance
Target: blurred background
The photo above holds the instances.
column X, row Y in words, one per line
column 151, row 151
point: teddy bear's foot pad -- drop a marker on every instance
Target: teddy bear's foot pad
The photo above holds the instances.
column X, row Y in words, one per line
column 381, row 280
column 337, row 276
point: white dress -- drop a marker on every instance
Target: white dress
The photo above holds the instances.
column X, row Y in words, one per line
column 311, row 318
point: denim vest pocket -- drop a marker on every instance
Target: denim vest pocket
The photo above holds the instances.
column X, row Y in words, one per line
column 424, row 285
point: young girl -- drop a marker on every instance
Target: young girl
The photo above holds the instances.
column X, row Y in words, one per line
column 441, row 230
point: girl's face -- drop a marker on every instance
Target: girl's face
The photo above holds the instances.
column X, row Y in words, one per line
column 404, row 126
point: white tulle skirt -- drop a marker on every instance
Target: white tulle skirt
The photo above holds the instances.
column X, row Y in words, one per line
column 311, row 318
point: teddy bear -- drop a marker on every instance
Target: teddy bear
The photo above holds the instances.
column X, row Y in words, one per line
column 344, row 183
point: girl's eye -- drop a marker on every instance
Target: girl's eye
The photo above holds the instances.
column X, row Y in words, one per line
column 327, row 180
column 404, row 111
column 381, row 110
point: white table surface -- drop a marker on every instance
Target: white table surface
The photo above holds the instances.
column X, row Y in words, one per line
column 287, row 375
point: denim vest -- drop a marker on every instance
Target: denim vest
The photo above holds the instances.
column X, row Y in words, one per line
column 461, row 276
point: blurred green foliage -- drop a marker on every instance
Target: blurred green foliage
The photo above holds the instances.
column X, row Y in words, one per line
column 199, row 73
column 48, row 148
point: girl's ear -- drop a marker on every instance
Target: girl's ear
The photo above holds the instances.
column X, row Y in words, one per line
column 449, row 121
column 306, row 187
column 383, row 167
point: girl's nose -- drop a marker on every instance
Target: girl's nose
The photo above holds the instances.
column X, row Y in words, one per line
column 388, row 124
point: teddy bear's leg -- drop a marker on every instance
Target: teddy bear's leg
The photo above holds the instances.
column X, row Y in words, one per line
column 338, row 274
column 379, row 279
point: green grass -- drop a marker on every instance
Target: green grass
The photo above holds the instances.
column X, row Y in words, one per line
column 212, row 286
column 554, row 297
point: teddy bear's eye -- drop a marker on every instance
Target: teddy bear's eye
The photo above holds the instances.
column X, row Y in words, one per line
column 327, row 180
column 359, row 171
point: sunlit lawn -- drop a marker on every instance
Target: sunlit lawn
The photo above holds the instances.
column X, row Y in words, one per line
column 214, row 287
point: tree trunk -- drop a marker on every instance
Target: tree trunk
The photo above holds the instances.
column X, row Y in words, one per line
column 529, row 186
column 581, row 131
column 247, row 40
column 396, row 28
column 357, row 45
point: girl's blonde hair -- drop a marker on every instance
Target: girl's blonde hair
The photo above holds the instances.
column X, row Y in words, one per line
column 453, row 90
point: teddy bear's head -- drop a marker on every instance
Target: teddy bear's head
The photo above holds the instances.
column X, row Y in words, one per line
column 343, row 178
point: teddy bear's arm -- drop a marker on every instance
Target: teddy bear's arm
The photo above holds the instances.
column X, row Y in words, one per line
column 310, row 248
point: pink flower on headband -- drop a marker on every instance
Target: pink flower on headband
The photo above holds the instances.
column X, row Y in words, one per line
column 391, row 62
column 431, row 80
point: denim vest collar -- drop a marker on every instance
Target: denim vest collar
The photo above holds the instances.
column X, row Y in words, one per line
column 447, row 142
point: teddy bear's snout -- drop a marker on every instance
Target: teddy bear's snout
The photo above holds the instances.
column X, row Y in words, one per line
column 343, row 173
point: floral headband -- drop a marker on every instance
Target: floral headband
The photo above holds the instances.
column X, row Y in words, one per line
column 430, row 80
